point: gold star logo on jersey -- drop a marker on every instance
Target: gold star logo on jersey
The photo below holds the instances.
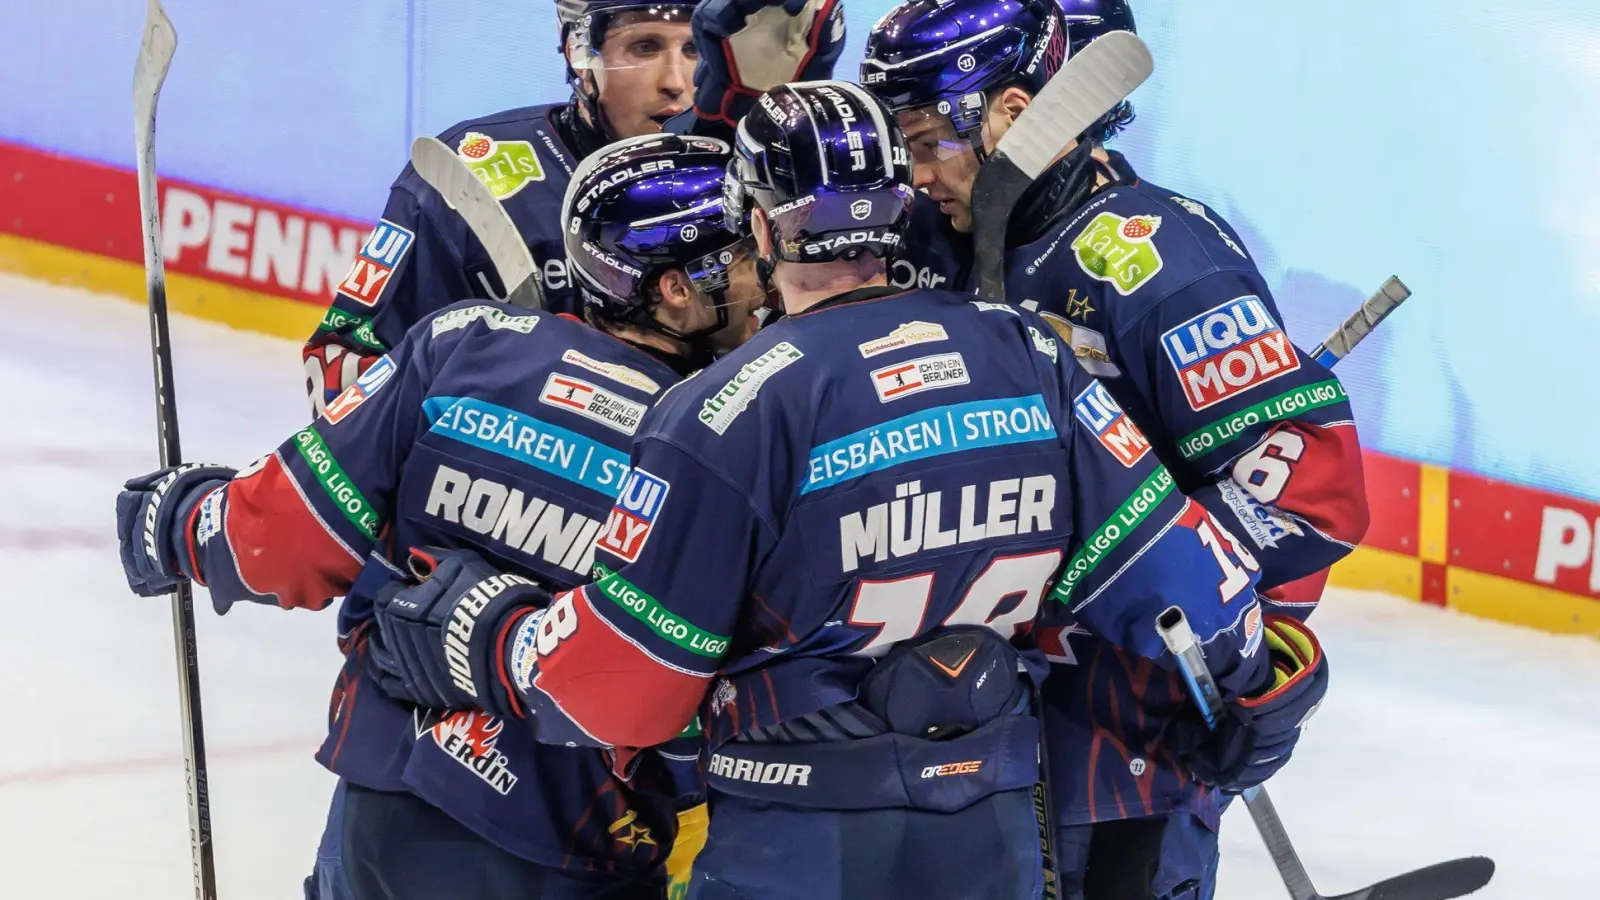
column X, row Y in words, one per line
column 624, row 832
column 1078, row 307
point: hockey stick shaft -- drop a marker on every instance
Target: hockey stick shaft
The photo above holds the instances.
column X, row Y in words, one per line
column 1354, row 329
column 1443, row 881
column 156, row 49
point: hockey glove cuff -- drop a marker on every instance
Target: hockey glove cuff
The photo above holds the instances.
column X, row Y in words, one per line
column 156, row 522
column 748, row 47
column 1256, row 733
column 440, row 643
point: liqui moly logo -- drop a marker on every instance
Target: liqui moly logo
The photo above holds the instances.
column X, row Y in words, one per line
column 1228, row 350
column 631, row 519
column 1117, row 433
column 379, row 256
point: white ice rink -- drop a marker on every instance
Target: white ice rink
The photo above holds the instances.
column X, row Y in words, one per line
column 1442, row 736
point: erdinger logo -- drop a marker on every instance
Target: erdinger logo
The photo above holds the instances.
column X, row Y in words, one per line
column 1227, row 350
column 469, row 738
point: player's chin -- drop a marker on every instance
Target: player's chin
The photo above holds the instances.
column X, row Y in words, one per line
column 959, row 214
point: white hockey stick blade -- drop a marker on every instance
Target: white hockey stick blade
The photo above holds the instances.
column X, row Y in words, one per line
column 156, row 50
column 1360, row 323
column 446, row 173
column 1090, row 85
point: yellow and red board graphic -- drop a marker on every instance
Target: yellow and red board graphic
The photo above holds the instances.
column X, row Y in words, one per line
column 239, row 260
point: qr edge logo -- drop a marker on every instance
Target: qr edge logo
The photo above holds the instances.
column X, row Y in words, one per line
column 1228, row 350
column 375, row 263
column 638, row 504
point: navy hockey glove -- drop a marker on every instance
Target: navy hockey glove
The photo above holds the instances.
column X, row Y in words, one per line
column 440, row 644
column 748, row 47
column 1255, row 734
column 156, row 523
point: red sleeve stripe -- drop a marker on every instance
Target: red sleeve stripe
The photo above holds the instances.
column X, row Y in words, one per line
column 1328, row 490
column 611, row 688
column 281, row 547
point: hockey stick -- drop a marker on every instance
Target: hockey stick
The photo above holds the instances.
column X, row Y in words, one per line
column 1090, row 85
column 1443, row 881
column 156, row 48
column 446, row 173
column 1361, row 322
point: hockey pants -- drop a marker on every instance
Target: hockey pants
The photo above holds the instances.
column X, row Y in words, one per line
column 393, row 846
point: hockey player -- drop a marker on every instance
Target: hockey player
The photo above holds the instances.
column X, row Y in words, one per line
column 505, row 431
column 834, row 542
column 631, row 65
column 1155, row 294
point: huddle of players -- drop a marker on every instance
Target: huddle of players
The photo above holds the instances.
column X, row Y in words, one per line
column 820, row 582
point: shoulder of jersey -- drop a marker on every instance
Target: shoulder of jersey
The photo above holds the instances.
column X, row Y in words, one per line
column 577, row 370
column 1144, row 241
column 703, row 411
column 515, row 152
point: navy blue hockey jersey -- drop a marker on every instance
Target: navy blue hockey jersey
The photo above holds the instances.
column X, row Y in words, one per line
column 421, row 256
column 1157, row 296
column 855, row 476
column 488, row 428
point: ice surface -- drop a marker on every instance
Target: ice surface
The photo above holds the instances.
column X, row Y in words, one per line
column 1443, row 736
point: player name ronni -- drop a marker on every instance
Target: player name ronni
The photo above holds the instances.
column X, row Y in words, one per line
column 915, row 521
column 531, row 525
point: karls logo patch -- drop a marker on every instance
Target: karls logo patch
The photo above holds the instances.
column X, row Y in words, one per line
column 1119, row 251
column 628, row 526
column 917, row 375
column 1116, row 432
column 1228, row 350
column 578, row 396
column 376, row 376
column 379, row 257
column 505, row 167
column 906, row 335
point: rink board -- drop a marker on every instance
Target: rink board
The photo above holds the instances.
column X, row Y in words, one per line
column 1462, row 540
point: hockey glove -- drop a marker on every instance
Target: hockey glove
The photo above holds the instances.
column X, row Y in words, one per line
column 748, row 47
column 156, row 522
column 440, row 644
column 1255, row 734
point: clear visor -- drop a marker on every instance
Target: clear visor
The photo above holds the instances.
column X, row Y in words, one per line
column 932, row 135
column 645, row 37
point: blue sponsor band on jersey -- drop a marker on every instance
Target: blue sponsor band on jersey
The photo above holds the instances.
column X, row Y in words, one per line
column 529, row 440
column 938, row 431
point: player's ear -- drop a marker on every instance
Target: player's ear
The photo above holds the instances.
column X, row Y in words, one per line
column 1011, row 102
column 761, row 228
column 676, row 293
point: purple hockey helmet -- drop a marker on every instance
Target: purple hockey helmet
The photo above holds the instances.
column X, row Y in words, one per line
column 1088, row 19
column 641, row 206
column 950, row 56
column 829, row 166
